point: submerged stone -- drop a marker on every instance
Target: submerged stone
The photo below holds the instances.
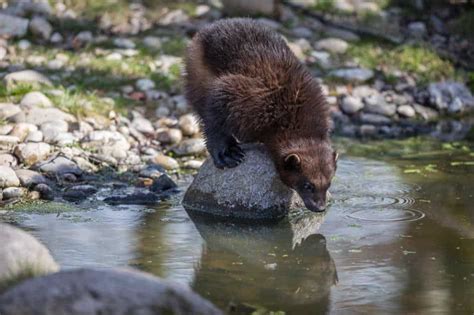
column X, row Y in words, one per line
column 138, row 198
column 251, row 191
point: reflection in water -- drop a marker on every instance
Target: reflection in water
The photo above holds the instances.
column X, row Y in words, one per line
column 389, row 258
column 277, row 267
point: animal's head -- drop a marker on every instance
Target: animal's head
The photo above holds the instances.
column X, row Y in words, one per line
column 309, row 170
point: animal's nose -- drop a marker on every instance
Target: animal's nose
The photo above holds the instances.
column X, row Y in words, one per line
column 316, row 206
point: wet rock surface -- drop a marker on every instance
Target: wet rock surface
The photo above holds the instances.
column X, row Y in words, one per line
column 251, row 191
column 108, row 292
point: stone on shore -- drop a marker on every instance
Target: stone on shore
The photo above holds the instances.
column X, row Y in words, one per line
column 106, row 292
column 13, row 25
column 8, row 177
column 22, row 256
column 251, row 191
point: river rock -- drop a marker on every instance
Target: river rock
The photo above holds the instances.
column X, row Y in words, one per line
column 8, row 160
column 31, row 153
column 40, row 27
column 14, row 193
column 163, row 183
column 21, row 130
column 124, row 43
column 374, row 119
column 13, row 25
column 34, row 136
column 8, row 142
column 417, row 30
column 376, row 104
column 52, row 129
column 167, row 162
column 169, row 136
column 22, row 256
column 8, row 177
column 136, row 198
column 351, row 105
column 39, row 116
column 143, row 125
column 190, row 147
column 333, row 45
column 425, row 112
column 26, row 76
column 8, row 110
column 251, row 191
column 353, row 74
column 105, row 292
column 152, row 42
column 79, row 193
column 34, row 99
column 60, row 165
column 451, row 97
column 45, row 191
column 406, row 111
column 29, row 178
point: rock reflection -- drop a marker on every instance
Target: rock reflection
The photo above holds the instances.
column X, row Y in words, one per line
column 285, row 266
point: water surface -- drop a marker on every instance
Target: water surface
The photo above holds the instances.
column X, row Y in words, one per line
column 398, row 238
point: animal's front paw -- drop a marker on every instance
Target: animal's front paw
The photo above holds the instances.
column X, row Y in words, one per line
column 228, row 155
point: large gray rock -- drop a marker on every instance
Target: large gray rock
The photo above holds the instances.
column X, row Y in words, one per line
column 251, row 191
column 60, row 165
column 106, row 292
column 12, row 25
column 22, row 256
column 451, row 97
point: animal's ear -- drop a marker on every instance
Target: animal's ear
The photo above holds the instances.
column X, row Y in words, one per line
column 336, row 156
column 292, row 162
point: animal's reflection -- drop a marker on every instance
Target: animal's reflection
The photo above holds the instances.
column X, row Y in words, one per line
column 282, row 267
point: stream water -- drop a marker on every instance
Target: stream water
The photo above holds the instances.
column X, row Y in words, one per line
column 398, row 238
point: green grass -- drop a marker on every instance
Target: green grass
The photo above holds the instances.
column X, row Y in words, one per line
column 174, row 46
column 420, row 61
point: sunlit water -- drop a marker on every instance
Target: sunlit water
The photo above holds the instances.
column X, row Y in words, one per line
column 398, row 238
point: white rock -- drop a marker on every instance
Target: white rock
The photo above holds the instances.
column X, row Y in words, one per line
column 406, row 111
column 26, row 76
column 8, row 177
column 31, row 153
column 333, row 45
column 124, row 43
column 152, row 42
column 351, row 104
column 8, row 110
column 21, row 254
column 33, row 99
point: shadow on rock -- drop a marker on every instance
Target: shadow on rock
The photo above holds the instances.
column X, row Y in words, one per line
column 279, row 267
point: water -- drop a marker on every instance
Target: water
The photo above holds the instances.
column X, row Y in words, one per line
column 398, row 238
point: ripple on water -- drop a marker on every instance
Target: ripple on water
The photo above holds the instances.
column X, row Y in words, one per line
column 386, row 215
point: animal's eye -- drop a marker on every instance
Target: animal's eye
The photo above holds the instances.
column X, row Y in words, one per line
column 308, row 186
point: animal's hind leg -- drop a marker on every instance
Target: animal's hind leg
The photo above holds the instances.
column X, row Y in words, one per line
column 221, row 144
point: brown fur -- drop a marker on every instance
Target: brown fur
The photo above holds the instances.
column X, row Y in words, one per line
column 245, row 83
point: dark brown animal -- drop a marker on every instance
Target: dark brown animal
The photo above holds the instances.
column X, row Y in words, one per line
column 247, row 86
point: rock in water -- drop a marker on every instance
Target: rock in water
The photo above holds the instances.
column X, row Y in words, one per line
column 106, row 292
column 22, row 256
column 251, row 191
